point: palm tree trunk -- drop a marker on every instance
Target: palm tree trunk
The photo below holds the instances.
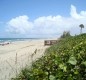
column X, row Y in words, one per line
column 81, row 31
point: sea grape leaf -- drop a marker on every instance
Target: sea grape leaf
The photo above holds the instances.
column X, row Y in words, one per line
column 76, row 72
column 69, row 78
column 52, row 77
column 62, row 66
column 72, row 60
column 84, row 63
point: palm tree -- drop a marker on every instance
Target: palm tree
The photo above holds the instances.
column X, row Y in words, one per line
column 81, row 26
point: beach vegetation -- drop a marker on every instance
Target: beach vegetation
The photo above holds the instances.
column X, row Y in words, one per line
column 65, row 34
column 66, row 60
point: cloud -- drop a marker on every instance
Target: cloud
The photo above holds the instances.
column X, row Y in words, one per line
column 47, row 25
column 75, row 15
column 19, row 24
column 51, row 24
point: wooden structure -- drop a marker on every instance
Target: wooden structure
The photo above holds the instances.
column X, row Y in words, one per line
column 49, row 42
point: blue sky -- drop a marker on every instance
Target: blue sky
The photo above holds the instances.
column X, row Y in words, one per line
column 41, row 18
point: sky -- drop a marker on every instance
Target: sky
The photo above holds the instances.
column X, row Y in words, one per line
column 41, row 18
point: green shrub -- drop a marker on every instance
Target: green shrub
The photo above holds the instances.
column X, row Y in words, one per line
column 65, row 60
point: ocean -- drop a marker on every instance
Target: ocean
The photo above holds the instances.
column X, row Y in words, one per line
column 2, row 40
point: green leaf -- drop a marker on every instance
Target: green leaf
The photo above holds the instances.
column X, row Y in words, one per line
column 69, row 78
column 76, row 72
column 72, row 60
column 84, row 63
column 62, row 66
column 65, row 68
column 52, row 77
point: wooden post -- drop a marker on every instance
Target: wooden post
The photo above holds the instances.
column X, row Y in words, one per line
column 16, row 64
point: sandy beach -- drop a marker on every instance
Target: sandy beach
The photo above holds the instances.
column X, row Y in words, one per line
column 17, row 55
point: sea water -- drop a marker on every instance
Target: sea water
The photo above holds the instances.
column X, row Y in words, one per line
column 2, row 40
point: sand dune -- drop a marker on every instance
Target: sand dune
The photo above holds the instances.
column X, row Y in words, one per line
column 17, row 55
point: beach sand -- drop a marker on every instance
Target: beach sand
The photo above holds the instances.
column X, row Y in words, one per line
column 17, row 55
